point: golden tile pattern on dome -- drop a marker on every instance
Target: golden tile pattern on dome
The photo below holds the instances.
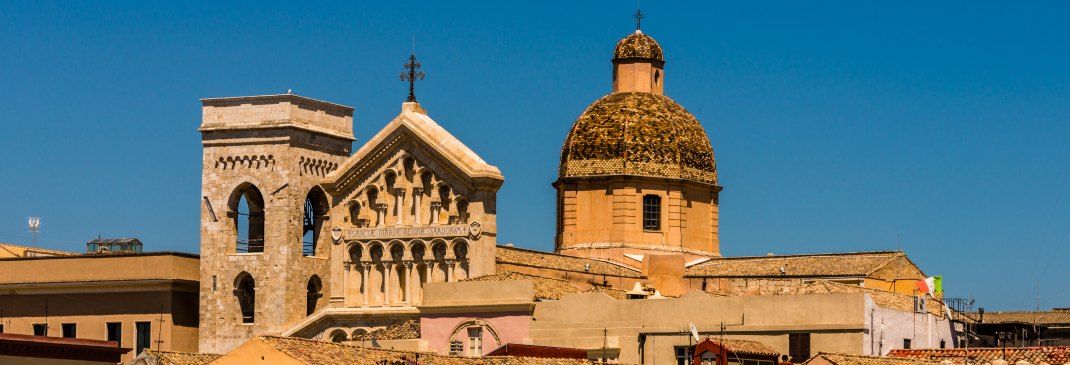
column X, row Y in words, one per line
column 638, row 45
column 638, row 134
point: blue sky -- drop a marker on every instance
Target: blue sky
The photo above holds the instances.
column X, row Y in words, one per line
column 837, row 126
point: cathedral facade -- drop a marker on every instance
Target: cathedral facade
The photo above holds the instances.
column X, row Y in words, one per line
column 297, row 233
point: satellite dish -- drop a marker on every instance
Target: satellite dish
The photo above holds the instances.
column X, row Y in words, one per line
column 694, row 332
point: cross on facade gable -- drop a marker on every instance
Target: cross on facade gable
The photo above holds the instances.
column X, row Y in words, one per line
column 411, row 76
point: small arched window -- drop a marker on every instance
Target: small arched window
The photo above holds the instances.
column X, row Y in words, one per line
column 355, row 253
column 314, row 213
column 462, row 211
column 651, row 213
column 315, row 286
column 339, row 336
column 245, row 290
column 247, row 207
column 460, row 250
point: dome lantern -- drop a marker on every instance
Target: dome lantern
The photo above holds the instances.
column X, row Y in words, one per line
column 638, row 65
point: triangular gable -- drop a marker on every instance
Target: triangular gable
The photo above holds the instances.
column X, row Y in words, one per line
column 429, row 136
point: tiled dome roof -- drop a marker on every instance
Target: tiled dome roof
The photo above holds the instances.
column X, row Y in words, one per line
column 638, row 45
column 638, row 133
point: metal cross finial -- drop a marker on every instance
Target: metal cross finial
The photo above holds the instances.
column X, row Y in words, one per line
column 412, row 75
column 638, row 18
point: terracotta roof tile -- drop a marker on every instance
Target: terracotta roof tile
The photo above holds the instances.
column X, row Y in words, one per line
column 548, row 288
column 845, row 359
column 522, row 257
column 180, row 358
column 1044, row 317
column 329, row 353
column 979, row 355
column 817, row 265
column 402, row 331
column 887, row 299
column 747, row 347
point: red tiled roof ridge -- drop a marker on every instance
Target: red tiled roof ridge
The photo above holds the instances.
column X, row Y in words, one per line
column 858, row 253
column 611, row 262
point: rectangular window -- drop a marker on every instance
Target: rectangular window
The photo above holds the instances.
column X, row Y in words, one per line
column 475, row 342
column 651, row 212
column 143, row 331
column 40, row 329
column 456, row 348
column 799, row 347
column 115, row 332
column 906, row 343
column 1, row 328
column 683, row 355
column 70, row 330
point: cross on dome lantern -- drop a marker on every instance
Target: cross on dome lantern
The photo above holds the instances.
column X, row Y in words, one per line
column 411, row 75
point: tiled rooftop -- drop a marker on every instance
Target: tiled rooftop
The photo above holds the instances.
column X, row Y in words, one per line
column 180, row 358
column 402, row 331
column 817, row 265
column 980, row 355
column 886, row 299
column 1045, row 317
column 330, row 353
column 845, row 359
column 523, row 257
column 747, row 347
column 548, row 288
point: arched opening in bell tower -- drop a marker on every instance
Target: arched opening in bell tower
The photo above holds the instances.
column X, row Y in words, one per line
column 315, row 210
column 315, row 286
column 247, row 211
column 245, row 290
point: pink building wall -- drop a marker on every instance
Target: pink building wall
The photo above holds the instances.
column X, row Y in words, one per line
column 511, row 327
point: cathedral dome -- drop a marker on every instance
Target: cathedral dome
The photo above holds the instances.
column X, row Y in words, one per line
column 638, row 133
column 638, row 45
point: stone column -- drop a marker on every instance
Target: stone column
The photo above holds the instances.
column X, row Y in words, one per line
column 435, row 206
column 366, row 271
column 449, row 270
column 380, row 212
column 345, row 284
column 388, row 271
column 408, row 283
column 399, row 193
column 417, row 193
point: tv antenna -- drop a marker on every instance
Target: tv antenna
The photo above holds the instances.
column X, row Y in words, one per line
column 34, row 224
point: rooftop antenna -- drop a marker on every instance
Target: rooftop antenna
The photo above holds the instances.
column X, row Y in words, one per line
column 413, row 73
column 34, row 224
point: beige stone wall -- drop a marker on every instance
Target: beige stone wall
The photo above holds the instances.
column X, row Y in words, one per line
column 91, row 291
column 172, row 316
column 603, row 218
column 592, row 320
column 278, row 147
column 38, row 361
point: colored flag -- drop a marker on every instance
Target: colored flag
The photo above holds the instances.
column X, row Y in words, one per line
column 931, row 285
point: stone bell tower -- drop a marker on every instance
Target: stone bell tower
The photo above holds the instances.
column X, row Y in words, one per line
column 264, row 219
